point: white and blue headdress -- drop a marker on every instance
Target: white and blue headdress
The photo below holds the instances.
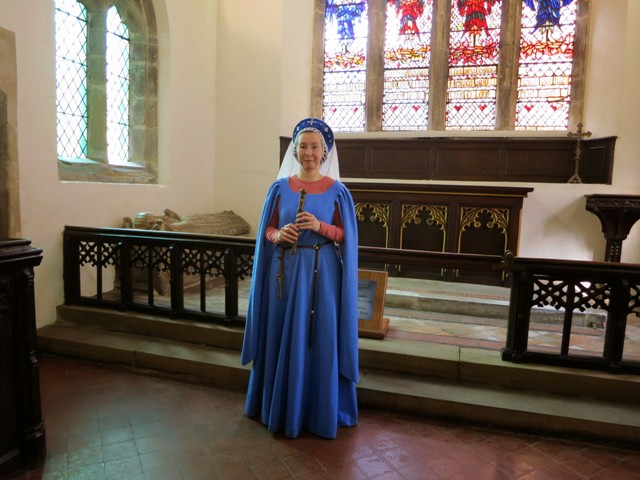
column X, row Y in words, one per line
column 329, row 167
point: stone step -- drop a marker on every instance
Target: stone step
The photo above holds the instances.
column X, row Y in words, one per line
column 432, row 380
column 519, row 410
column 203, row 362
column 414, row 357
column 482, row 301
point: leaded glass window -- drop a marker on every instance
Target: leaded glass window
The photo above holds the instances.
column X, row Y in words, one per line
column 71, row 78
column 474, row 42
column 345, row 64
column 421, row 65
column 405, row 101
column 546, row 61
column 106, row 79
column 117, row 89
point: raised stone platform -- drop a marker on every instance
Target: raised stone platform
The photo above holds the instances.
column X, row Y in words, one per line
column 473, row 300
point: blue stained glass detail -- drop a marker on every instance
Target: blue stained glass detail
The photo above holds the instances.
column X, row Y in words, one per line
column 345, row 15
column 547, row 11
column 345, row 64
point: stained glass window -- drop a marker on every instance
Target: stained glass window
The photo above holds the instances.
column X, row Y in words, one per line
column 473, row 64
column 71, row 78
column 345, row 64
column 450, row 64
column 405, row 100
column 117, row 89
column 546, row 61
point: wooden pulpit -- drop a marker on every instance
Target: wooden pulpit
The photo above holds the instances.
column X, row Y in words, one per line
column 617, row 214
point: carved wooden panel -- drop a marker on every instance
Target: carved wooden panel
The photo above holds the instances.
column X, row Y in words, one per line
column 483, row 230
column 22, row 436
column 373, row 223
column 440, row 218
column 423, row 227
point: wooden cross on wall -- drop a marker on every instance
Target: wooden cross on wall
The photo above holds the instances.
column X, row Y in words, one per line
column 579, row 135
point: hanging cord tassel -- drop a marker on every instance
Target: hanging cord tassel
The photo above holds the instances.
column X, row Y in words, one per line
column 280, row 275
column 313, row 292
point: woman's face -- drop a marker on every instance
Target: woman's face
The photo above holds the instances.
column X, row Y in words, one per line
column 310, row 151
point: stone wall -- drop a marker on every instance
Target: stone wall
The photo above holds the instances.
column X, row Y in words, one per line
column 9, row 186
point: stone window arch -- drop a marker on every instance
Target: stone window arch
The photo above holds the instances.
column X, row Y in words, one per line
column 139, row 162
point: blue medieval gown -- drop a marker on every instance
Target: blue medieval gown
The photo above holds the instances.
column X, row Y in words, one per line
column 305, row 366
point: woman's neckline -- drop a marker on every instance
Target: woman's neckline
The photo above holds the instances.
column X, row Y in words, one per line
column 315, row 186
column 309, row 181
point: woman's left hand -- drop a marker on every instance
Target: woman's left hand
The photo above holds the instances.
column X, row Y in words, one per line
column 307, row 221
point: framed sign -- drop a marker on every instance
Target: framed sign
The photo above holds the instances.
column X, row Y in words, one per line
column 372, row 288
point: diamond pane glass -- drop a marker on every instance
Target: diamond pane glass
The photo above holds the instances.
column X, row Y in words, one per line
column 345, row 61
column 546, row 59
column 473, row 64
column 117, row 89
column 71, row 78
column 407, row 53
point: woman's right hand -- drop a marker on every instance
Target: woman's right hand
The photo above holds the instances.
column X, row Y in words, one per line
column 288, row 233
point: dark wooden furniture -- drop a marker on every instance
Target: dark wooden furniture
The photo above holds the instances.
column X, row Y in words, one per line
column 22, row 433
column 573, row 287
column 440, row 218
column 493, row 159
column 617, row 214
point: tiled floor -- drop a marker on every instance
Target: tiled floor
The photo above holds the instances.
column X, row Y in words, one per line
column 107, row 423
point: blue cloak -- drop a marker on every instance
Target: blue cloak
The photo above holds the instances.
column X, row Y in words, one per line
column 304, row 372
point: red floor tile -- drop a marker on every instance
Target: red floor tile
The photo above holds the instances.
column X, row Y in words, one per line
column 105, row 423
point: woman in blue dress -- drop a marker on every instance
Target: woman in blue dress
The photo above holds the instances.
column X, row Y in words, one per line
column 302, row 322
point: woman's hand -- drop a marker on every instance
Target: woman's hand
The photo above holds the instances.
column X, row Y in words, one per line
column 307, row 221
column 288, row 234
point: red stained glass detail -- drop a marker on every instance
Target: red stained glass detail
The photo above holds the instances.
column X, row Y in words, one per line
column 409, row 11
column 407, row 52
column 533, row 50
column 475, row 14
column 404, row 55
column 474, row 54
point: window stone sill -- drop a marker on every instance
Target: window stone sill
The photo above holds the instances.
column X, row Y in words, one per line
column 84, row 170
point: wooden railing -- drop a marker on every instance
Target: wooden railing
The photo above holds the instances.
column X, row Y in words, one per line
column 129, row 269
column 139, row 270
column 173, row 274
column 572, row 286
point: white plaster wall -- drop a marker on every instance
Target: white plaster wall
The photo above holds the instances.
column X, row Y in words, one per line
column 187, row 134
column 260, row 98
column 249, row 78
